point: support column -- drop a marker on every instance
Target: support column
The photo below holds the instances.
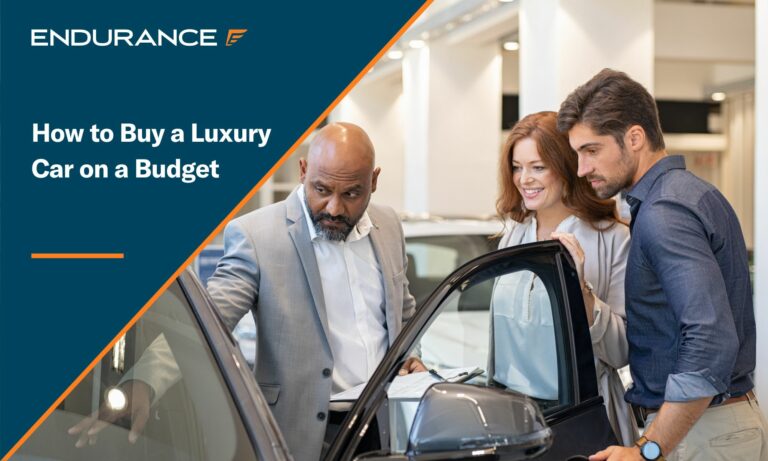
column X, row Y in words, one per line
column 565, row 42
column 376, row 107
column 452, row 114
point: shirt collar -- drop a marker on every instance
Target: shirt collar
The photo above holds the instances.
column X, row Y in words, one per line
column 360, row 231
column 640, row 190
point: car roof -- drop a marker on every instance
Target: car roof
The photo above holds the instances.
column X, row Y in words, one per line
column 437, row 227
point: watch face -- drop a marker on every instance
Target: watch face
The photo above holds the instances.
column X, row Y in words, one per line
column 650, row 450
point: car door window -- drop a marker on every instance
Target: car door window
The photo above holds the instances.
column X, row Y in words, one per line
column 524, row 357
column 432, row 258
column 514, row 339
column 191, row 413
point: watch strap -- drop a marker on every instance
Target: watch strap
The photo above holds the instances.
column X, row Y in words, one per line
column 642, row 441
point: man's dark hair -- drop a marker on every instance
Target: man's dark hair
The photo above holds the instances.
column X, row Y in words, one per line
column 609, row 103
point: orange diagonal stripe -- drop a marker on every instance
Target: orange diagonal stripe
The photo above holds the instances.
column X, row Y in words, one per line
column 78, row 255
column 218, row 229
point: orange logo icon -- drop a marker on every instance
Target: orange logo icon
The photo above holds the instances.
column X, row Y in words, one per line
column 234, row 35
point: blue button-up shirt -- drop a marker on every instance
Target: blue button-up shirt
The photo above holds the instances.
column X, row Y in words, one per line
column 690, row 321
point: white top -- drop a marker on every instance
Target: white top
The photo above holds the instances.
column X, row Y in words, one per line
column 522, row 323
column 353, row 290
column 520, row 303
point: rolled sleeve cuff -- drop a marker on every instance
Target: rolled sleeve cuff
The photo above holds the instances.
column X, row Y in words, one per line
column 694, row 385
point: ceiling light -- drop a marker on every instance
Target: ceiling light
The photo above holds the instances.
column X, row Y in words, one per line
column 450, row 26
column 718, row 96
column 424, row 35
column 416, row 44
column 506, row 1
column 395, row 54
column 511, row 46
column 466, row 18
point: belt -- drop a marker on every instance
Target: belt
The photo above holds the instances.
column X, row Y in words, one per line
column 645, row 412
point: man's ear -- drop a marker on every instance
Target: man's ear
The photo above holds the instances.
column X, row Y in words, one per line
column 375, row 179
column 635, row 138
column 302, row 169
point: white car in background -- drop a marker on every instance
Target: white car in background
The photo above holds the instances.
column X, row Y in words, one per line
column 435, row 248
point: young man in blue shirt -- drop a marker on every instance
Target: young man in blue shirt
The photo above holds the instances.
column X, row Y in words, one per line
column 690, row 319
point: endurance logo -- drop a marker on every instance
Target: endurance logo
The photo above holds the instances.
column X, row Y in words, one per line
column 234, row 35
column 131, row 38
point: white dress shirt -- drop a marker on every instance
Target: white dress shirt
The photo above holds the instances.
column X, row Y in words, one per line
column 353, row 290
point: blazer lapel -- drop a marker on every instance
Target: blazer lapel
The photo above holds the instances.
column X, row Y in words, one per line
column 301, row 240
column 387, row 272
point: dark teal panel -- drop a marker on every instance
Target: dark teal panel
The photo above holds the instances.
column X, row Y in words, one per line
column 57, row 315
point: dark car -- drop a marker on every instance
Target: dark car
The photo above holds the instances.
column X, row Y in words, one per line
column 212, row 408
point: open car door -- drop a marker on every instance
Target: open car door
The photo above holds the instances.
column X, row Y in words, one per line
column 525, row 347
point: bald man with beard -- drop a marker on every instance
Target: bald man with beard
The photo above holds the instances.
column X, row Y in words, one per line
column 323, row 273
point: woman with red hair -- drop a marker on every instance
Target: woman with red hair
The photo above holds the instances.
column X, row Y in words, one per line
column 541, row 198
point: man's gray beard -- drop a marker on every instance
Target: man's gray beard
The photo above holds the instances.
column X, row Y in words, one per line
column 327, row 234
column 331, row 234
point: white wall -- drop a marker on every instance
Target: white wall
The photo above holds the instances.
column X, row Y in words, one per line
column 377, row 108
column 465, row 127
column 695, row 31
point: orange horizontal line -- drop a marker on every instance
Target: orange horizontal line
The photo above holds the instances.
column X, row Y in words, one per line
column 78, row 255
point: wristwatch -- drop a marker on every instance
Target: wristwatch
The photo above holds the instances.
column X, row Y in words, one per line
column 649, row 449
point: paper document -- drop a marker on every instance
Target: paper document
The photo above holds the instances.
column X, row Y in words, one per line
column 350, row 394
column 414, row 385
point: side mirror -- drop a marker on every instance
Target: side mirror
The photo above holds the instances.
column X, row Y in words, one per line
column 464, row 421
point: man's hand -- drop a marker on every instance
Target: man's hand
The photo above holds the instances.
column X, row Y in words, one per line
column 412, row 365
column 137, row 405
column 616, row 453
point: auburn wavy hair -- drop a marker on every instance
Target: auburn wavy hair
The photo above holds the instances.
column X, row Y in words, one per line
column 557, row 155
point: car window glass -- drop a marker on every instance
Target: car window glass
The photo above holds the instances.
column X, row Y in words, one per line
column 510, row 338
column 432, row 258
column 191, row 415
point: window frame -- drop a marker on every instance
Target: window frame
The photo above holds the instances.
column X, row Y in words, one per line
column 260, row 425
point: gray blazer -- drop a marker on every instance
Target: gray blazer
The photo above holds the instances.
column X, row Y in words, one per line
column 269, row 268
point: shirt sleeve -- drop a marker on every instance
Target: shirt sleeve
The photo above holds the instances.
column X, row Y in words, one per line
column 156, row 367
column 679, row 251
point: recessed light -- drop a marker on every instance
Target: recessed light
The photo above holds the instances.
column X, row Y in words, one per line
column 718, row 96
column 506, row 1
column 511, row 46
column 395, row 54
column 416, row 44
